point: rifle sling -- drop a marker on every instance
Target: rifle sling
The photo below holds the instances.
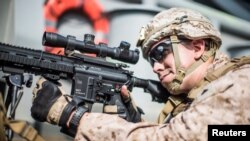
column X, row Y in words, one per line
column 19, row 127
column 23, row 129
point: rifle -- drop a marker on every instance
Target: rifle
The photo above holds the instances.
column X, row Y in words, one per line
column 93, row 78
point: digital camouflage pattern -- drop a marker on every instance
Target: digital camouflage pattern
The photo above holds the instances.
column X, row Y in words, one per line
column 223, row 101
column 177, row 21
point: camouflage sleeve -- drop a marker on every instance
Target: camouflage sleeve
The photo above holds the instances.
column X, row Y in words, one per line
column 225, row 101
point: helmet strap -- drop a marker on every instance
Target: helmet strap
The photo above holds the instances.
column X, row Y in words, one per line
column 205, row 56
column 174, row 86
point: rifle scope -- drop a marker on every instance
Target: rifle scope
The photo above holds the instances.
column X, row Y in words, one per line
column 121, row 53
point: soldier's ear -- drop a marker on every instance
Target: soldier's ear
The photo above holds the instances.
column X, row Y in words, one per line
column 199, row 48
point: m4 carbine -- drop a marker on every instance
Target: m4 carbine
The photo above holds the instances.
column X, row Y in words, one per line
column 93, row 78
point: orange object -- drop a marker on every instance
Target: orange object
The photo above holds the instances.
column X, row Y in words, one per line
column 53, row 9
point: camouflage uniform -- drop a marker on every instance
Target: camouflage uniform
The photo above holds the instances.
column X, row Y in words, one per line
column 223, row 101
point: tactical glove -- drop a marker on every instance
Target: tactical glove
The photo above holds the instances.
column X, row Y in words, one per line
column 51, row 104
column 134, row 112
column 48, row 102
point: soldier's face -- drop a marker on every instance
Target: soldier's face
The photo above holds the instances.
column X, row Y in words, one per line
column 162, row 59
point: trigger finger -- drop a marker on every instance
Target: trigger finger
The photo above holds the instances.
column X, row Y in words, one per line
column 125, row 93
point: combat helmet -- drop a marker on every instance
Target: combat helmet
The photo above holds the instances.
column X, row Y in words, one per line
column 179, row 23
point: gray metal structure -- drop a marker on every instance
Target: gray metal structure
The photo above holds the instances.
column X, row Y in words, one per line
column 21, row 23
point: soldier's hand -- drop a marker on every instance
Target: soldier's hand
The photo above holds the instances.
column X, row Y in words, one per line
column 134, row 112
column 48, row 101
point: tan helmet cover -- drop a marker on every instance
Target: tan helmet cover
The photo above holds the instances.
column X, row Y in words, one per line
column 182, row 22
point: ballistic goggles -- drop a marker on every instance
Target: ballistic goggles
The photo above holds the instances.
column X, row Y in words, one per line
column 158, row 53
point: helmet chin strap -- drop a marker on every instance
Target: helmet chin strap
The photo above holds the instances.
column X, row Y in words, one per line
column 174, row 87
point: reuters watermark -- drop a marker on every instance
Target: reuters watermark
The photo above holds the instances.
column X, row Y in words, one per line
column 241, row 132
